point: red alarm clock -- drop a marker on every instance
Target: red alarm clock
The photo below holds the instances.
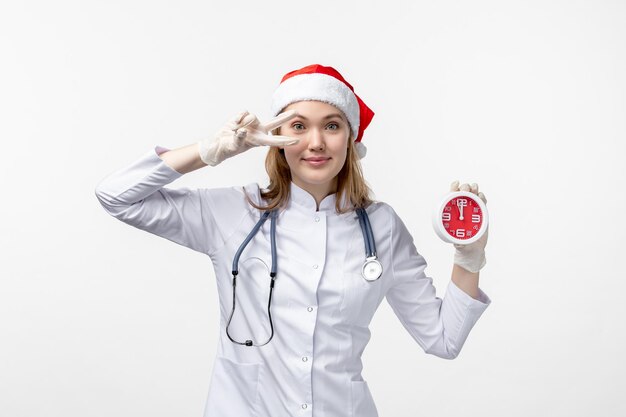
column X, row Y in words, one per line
column 461, row 218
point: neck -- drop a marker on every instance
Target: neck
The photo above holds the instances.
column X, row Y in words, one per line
column 319, row 191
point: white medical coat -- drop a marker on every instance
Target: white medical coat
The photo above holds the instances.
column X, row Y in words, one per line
column 321, row 305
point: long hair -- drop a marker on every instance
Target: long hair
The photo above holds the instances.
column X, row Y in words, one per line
column 350, row 181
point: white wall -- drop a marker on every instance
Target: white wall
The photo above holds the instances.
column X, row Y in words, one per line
column 526, row 98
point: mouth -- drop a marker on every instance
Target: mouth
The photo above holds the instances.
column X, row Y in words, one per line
column 316, row 161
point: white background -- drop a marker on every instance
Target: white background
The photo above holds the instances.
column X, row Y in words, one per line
column 526, row 98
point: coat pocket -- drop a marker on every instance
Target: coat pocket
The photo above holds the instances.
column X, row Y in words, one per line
column 362, row 401
column 234, row 389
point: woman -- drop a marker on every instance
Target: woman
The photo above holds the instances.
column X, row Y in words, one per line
column 294, row 327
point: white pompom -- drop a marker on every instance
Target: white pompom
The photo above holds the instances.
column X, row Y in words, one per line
column 361, row 149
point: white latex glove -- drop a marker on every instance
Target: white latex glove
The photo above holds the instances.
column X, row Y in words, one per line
column 471, row 257
column 243, row 132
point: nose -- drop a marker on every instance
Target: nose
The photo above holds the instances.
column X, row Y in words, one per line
column 316, row 140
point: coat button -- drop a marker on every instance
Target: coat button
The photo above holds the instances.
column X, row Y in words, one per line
column 309, row 309
column 304, row 406
column 315, row 266
column 317, row 219
column 304, row 359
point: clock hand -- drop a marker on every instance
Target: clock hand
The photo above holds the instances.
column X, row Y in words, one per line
column 460, row 206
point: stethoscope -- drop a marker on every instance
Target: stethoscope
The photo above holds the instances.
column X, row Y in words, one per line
column 371, row 271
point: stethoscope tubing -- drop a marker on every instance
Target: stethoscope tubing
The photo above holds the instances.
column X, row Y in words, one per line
column 273, row 270
column 370, row 249
column 366, row 229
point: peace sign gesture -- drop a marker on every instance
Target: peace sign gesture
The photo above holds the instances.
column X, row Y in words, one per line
column 242, row 132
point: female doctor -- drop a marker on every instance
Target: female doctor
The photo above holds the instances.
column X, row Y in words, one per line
column 301, row 266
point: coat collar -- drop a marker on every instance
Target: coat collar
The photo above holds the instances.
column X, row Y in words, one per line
column 303, row 199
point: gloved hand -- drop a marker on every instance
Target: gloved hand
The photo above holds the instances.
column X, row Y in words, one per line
column 471, row 257
column 243, row 132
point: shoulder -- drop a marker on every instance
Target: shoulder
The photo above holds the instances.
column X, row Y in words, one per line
column 383, row 218
column 382, row 210
column 386, row 217
column 233, row 197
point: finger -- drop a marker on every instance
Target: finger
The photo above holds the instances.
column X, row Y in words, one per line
column 236, row 119
column 277, row 141
column 240, row 136
column 283, row 140
column 474, row 188
column 454, row 186
column 261, row 139
column 235, row 122
column 482, row 197
column 464, row 187
column 278, row 120
column 250, row 120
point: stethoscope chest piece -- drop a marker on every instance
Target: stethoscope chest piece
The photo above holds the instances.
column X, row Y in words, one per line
column 372, row 269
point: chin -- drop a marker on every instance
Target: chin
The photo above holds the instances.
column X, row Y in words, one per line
column 317, row 180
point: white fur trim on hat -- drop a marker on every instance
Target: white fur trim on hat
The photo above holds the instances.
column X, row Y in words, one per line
column 361, row 149
column 319, row 87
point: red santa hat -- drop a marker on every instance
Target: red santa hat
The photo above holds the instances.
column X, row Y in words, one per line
column 321, row 83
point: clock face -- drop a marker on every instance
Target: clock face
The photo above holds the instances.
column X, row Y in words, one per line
column 461, row 218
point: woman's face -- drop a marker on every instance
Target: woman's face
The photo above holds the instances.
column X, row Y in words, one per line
column 316, row 160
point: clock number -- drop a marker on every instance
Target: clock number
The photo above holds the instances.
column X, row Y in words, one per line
column 475, row 218
column 460, row 232
column 446, row 217
column 461, row 203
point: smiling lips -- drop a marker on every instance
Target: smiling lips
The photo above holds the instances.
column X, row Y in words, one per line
column 317, row 160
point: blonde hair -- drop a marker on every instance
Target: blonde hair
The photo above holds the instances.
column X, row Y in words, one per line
column 350, row 181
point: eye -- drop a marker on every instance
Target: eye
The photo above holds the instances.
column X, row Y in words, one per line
column 297, row 126
column 333, row 126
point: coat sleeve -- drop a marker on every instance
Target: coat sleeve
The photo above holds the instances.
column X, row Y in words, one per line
column 137, row 195
column 439, row 326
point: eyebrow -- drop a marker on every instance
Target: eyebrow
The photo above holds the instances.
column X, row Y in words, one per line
column 330, row 116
